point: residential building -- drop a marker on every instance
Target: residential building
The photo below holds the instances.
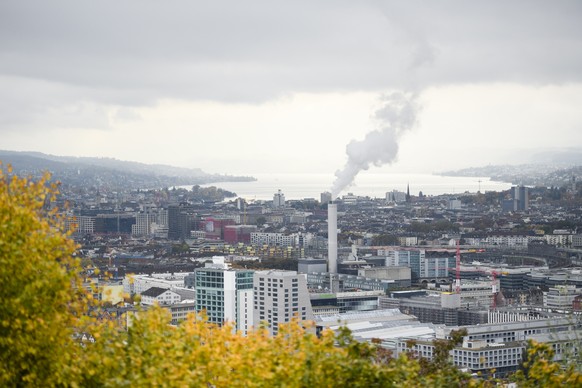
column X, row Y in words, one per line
column 162, row 296
column 280, row 296
column 276, row 239
column 136, row 284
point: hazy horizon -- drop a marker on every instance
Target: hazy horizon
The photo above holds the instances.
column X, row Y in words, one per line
column 263, row 86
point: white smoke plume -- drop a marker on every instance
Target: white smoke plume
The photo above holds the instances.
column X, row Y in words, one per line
column 397, row 115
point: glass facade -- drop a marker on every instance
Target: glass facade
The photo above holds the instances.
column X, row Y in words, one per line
column 210, row 291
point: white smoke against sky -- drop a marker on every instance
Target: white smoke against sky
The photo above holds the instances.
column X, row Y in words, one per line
column 397, row 115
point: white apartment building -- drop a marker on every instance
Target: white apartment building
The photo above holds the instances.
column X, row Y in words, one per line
column 276, row 239
column 558, row 240
column 279, row 297
column 508, row 240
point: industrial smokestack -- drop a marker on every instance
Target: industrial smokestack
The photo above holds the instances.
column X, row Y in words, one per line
column 332, row 237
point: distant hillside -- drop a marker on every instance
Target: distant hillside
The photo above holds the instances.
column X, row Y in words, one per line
column 535, row 174
column 108, row 171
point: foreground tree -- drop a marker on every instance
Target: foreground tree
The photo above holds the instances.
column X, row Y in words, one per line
column 540, row 371
column 41, row 298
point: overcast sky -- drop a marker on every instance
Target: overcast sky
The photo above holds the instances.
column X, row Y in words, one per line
column 269, row 86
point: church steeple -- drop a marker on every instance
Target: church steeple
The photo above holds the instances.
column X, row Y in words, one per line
column 408, row 192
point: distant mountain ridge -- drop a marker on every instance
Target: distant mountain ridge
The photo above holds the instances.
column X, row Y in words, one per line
column 109, row 171
column 535, row 174
column 112, row 163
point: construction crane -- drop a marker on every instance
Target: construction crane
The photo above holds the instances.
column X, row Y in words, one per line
column 493, row 273
column 494, row 291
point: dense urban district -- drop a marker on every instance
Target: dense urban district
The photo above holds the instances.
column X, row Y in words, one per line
column 402, row 272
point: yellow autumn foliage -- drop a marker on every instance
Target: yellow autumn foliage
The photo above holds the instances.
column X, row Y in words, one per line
column 41, row 300
column 44, row 311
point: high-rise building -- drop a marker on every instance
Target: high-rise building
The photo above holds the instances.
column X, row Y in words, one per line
column 179, row 221
column 279, row 199
column 279, row 297
column 519, row 199
column 520, row 193
column 395, row 196
column 325, row 197
column 143, row 222
column 225, row 294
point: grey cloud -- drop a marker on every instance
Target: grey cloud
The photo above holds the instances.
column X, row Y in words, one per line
column 135, row 52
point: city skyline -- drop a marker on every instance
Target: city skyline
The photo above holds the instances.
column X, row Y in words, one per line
column 277, row 87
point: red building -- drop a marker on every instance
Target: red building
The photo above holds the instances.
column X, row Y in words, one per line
column 234, row 234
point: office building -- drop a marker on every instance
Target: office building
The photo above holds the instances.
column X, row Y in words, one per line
column 114, row 223
column 234, row 234
column 310, row 265
column 561, row 297
column 143, row 223
column 519, row 200
column 180, row 217
column 342, row 302
column 343, row 282
column 421, row 266
column 225, row 294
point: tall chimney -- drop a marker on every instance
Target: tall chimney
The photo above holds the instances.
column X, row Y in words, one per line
column 332, row 237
